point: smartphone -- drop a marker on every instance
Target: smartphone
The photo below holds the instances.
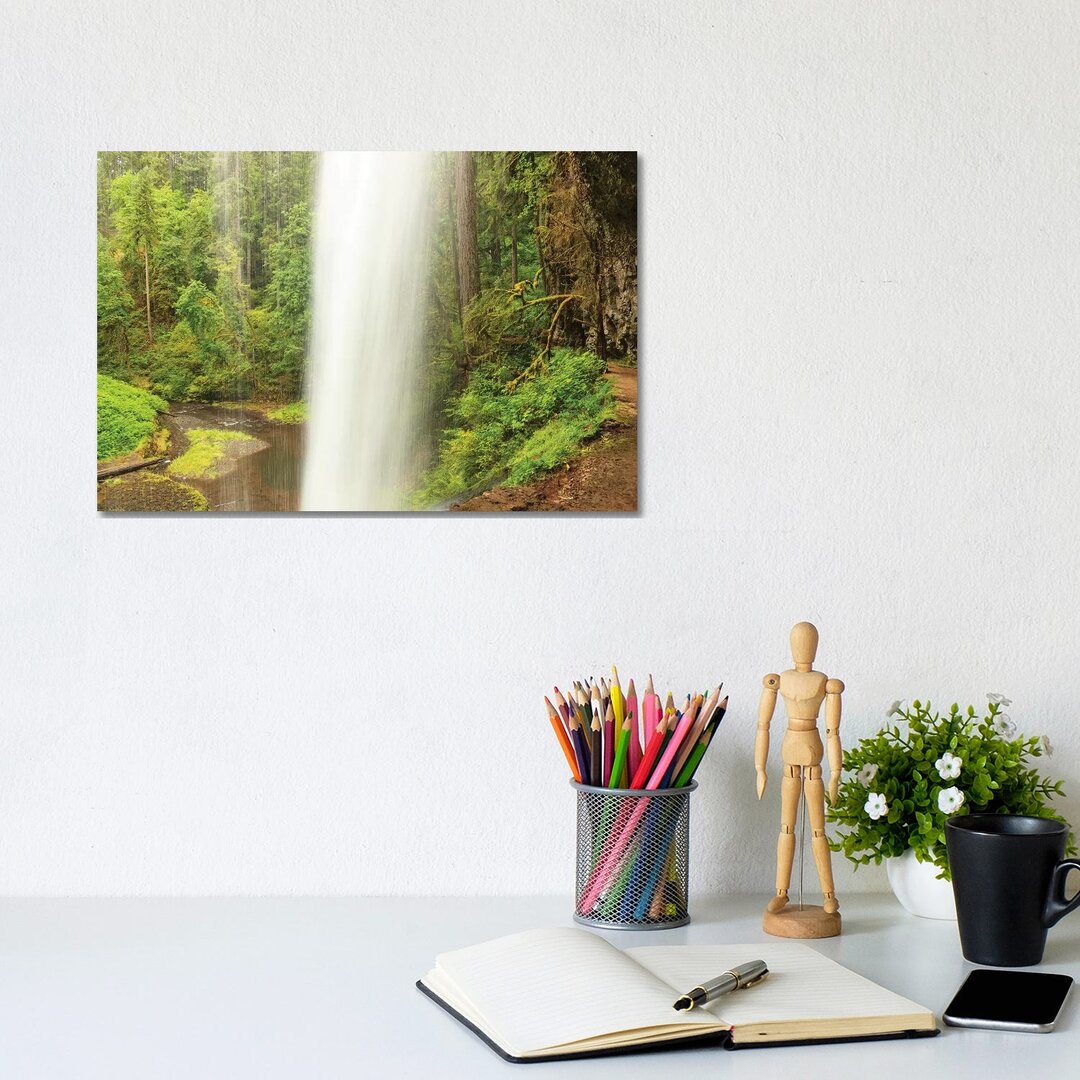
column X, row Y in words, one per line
column 1009, row 1000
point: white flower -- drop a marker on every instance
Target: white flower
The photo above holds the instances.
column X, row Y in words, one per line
column 866, row 774
column 948, row 766
column 1003, row 725
column 895, row 709
column 950, row 800
column 876, row 806
column 1048, row 749
column 998, row 699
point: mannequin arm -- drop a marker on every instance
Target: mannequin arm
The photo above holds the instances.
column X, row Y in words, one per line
column 765, row 713
column 833, row 689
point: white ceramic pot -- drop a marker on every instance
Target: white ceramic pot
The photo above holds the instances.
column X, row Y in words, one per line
column 917, row 886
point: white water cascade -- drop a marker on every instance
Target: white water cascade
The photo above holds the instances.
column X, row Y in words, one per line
column 370, row 271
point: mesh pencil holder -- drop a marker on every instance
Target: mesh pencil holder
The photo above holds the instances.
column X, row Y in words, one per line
column 633, row 860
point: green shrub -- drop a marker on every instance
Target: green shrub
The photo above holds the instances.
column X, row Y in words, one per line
column 183, row 368
column 293, row 413
column 206, row 449
column 517, row 435
column 553, row 445
column 172, row 363
column 126, row 416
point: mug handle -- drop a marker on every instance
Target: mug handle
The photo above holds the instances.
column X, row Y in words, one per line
column 1056, row 905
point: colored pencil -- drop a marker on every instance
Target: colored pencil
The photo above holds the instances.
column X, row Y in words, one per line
column 651, row 713
column 617, row 704
column 652, row 896
column 583, row 705
column 703, row 717
column 564, row 709
column 609, row 743
column 652, row 752
column 564, row 739
column 633, row 757
column 622, row 748
column 654, row 908
column 596, row 758
column 686, row 773
column 662, row 823
column 694, row 760
column 583, row 725
column 581, row 748
column 674, row 744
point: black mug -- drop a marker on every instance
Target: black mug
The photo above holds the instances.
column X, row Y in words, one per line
column 1008, row 876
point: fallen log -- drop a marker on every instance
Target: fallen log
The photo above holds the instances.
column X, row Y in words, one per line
column 116, row 470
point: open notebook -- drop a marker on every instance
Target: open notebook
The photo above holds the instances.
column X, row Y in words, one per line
column 567, row 992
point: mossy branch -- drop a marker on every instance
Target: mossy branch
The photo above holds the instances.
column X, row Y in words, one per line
column 540, row 360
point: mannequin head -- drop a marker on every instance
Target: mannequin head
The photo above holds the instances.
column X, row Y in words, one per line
column 804, row 642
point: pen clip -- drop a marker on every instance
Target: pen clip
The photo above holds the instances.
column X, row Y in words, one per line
column 754, row 981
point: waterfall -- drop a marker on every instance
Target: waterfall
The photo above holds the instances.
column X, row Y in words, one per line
column 362, row 443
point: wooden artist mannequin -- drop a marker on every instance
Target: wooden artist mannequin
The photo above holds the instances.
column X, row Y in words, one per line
column 803, row 691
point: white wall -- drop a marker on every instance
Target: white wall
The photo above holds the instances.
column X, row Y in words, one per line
column 859, row 283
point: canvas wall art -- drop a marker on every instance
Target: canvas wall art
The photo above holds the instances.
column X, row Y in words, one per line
column 367, row 331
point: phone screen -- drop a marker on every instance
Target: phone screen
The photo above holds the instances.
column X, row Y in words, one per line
column 1013, row 1000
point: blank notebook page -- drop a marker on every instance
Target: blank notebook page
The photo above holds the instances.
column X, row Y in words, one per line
column 576, row 986
column 802, row 984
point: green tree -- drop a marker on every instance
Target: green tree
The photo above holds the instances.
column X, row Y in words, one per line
column 205, row 378
column 228, row 222
column 198, row 308
column 289, row 298
column 114, row 307
column 145, row 231
column 172, row 262
column 135, row 219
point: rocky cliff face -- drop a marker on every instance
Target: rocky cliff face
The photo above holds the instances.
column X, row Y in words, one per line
column 619, row 281
column 590, row 244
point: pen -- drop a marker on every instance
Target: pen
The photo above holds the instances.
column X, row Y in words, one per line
column 738, row 978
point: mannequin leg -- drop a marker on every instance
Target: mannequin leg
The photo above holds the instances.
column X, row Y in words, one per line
column 790, row 790
column 815, row 808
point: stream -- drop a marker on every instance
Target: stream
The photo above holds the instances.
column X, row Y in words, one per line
column 268, row 479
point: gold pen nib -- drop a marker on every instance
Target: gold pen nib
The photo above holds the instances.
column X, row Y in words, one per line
column 696, row 996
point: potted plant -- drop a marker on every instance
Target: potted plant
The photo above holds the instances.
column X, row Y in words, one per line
column 900, row 786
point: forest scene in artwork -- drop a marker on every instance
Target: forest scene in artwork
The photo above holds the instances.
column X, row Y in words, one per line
column 366, row 331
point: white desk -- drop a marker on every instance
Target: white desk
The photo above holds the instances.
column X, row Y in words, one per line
column 308, row 989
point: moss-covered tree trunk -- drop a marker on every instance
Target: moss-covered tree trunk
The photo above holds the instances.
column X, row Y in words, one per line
column 465, row 205
column 513, row 252
column 146, row 266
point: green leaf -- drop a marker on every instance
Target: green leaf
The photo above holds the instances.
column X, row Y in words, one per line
column 994, row 778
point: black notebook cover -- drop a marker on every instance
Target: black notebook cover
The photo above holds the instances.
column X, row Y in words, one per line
column 690, row 1042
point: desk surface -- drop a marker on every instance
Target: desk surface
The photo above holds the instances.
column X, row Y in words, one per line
column 313, row 988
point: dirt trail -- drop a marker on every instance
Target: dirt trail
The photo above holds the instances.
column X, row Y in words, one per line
column 603, row 478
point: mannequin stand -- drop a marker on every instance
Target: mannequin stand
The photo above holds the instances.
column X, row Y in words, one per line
column 808, row 921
